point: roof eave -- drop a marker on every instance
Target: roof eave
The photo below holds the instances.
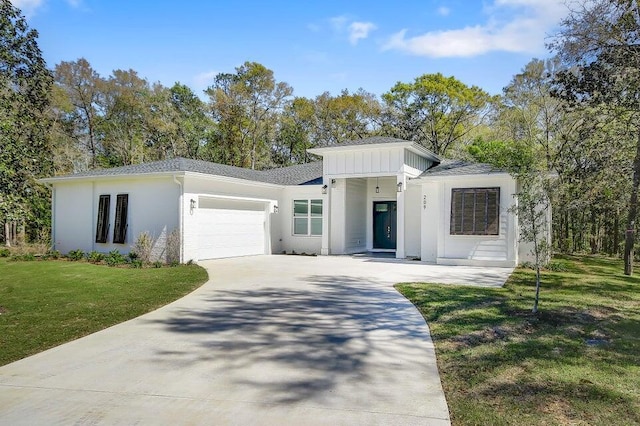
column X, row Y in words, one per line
column 73, row 178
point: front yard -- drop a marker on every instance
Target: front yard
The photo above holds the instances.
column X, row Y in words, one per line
column 46, row 303
column 577, row 362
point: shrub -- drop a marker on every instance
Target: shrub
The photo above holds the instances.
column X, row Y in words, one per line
column 136, row 263
column 173, row 247
column 115, row 258
column 75, row 255
column 95, row 257
column 558, row 266
column 142, row 247
column 5, row 252
column 157, row 264
column 51, row 254
column 26, row 257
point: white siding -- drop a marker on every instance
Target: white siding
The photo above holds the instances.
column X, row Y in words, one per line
column 364, row 162
column 356, row 213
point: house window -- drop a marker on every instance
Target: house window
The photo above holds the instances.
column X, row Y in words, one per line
column 307, row 217
column 120, row 228
column 475, row 211
column 102, row 224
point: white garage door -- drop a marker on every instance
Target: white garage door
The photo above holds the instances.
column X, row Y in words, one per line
column 229, row 228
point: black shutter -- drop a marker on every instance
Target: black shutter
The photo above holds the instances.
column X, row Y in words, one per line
column 456, row 212
column 493, row 211
column 102, row 224
column 120, row 231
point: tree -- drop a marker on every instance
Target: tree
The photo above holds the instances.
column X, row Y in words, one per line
column 84, row 89
column 25, row 84
column 599, row 44
column 245, row 106
column 345, row 117
column 532, row 209
column 435, row 111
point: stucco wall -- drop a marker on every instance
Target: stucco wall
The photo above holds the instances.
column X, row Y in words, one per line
column 412, row 210
column 298, row 243
column 152, row 208
column 440, row 246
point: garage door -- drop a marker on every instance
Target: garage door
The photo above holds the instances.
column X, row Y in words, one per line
column 229, row 228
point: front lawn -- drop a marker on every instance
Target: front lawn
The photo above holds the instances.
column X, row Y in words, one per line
column 577, row 362
column 47, row 303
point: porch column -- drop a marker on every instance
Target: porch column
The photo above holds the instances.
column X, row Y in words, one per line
column 401, row 182
column 326, row 219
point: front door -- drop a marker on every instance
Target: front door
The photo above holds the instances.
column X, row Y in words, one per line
column 384, row 225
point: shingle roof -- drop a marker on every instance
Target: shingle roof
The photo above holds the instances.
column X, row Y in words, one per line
column 293, row 175
column 459, row 168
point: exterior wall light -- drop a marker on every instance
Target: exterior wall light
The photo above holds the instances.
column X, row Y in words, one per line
column 399, row 186
column 324, row 189
column 192, row 206
column 275, row 208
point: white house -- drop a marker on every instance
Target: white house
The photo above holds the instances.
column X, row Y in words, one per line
column 374, row 194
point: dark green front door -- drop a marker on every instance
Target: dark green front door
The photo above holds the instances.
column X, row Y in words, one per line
column 384, row 225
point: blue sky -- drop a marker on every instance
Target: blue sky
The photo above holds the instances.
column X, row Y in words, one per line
column 315, row 46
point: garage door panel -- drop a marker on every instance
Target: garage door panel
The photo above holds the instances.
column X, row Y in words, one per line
column 228, row 232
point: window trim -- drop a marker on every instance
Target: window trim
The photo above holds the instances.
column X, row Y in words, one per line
column 102, row 219
column 121, row 223
column 308, row 217
column 489, row 230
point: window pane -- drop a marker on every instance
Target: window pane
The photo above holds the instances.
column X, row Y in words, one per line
column 475, row 211
column 300, row 226
column 300, row 207
column 120, row 228
column 316, row 207
column 102, row 224
column 316, row 226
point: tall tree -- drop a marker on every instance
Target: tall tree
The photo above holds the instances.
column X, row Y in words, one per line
column 345, row 117
column 124, row 128
column 25, row 154
column 599, row 46
column 84, row 90
column 435, row 111
column 246, row 105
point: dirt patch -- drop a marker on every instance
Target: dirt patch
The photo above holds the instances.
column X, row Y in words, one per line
column 3, row 310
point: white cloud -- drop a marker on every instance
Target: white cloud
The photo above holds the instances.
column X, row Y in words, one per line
column 74, row 3
column 28, row 7
column 359, row 31
column 338, row 22
column 511, row 26
column 443, row 11
column 205, row 79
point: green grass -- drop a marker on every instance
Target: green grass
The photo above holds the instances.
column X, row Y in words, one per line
column 577, row 362
column 47, row 303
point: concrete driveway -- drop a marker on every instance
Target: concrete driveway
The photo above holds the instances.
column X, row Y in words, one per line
column 269, row 340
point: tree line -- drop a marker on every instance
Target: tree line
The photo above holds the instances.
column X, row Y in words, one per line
column 575, row 115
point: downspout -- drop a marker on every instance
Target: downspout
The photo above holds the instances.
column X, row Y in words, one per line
column 180, row 218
